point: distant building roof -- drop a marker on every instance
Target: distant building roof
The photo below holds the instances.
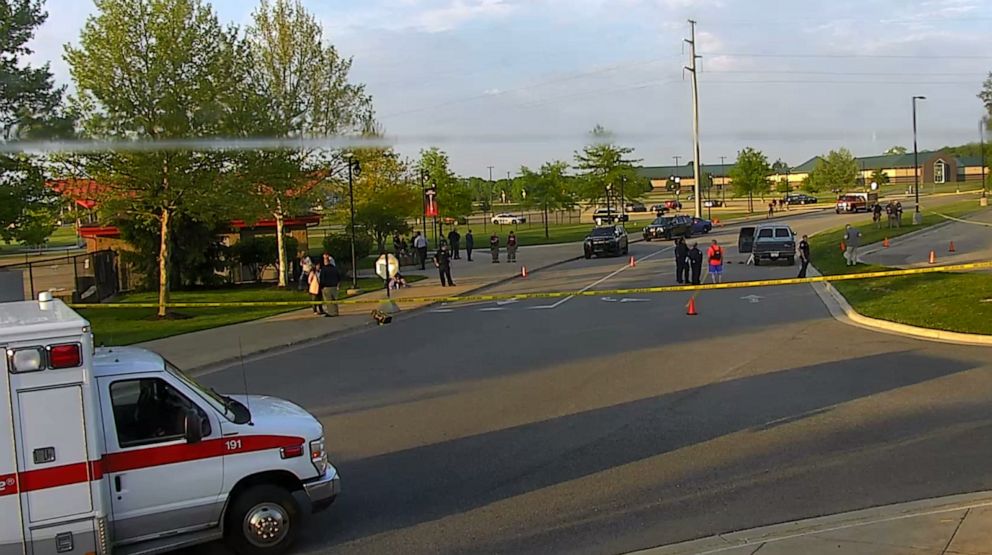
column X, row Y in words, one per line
column 686, row 171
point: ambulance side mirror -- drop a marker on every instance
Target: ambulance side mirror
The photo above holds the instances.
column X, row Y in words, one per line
column 194, row 426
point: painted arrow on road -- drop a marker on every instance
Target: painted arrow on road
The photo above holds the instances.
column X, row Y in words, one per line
column 753, row 298
column 610, row 299
column 507, row 301
column 626, row 300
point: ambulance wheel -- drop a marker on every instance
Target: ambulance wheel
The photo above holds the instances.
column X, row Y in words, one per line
column 263, row 521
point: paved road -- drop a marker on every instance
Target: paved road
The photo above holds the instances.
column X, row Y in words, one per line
column 607, row 425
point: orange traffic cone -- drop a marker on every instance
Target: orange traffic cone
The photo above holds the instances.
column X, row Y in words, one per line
column 885, row 243
column 632, row 262
column 523, row 271
column 933, row 257
column 843, row 246
column 951, row 248
column 691, row 308
column 716, row 222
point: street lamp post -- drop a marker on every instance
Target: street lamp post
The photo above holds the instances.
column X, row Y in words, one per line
column 981, row 133
column 723, row 180
column 917, row 217
column 353, row 168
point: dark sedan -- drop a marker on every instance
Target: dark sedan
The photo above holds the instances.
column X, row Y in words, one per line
column 606, row 240
column 699, row 225
column 669, row 227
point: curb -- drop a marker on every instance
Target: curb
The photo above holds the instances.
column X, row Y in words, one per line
column 842, row 311
column 755, row 537
column 403, row 315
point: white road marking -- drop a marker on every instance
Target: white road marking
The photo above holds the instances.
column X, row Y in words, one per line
column 442, row 310
column 491, row 309
column 609, row 299
column 507, row 301
column 601, row 280
column 753, row 298
column 626, row 300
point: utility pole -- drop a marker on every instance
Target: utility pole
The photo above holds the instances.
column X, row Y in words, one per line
column 917, row 217
column 723, row 179
column 691, row 68
column 491, row 185
column 981, row 130
column 676, row 160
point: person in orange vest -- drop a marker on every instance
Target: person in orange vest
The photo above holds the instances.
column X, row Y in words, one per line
column 715, row 257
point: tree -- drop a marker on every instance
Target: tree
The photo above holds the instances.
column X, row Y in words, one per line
column 836, row 171
column 603, row 166
column 454, row 197
column 810, row 185
column 896, row 150
column 155, row 70
column 782, row 186
column 305, row 92
column 750, row 174
column 385, row 199
column 986, row 94
column 880, row 177
column 30, row 107
column 546, row 189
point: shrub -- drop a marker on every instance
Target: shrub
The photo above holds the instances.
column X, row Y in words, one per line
column 258, row 253
column 339, row 246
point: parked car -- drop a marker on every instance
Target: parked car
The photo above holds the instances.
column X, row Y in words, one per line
column 799, row 198
column 673, row 204
column 855, row 202
column 448, row 220
column 668, row 227
column 770, row 242
column 606, row 240
column 659, row 209
column 712, row 203
column 606, row 216
column 700, row 225
column 507, row 218
column 635, row 206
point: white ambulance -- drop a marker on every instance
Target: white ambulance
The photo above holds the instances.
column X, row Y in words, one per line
column 117, row 451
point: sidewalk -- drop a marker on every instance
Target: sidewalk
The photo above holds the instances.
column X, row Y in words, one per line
column 205, row 348
column 958, row 524
column 972, row 243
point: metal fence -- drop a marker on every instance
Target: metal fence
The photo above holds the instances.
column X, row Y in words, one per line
column 82, row 278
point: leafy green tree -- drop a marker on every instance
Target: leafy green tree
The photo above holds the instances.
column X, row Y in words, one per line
column 810, row 184
column 546, row 189
column 896, row 150
column 782, row 186
column 836, row 171
column 454, row 197
column 880, row 177
column 31, row 107
column 258, row 253
column 986, row 94
column 385, row 198
column 296, row 85
column 153, row 70
column 750, row 174
column 603, row 166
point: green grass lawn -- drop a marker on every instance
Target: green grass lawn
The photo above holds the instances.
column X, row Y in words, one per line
column 64, row 236
column 947, row 301
column 124, row 326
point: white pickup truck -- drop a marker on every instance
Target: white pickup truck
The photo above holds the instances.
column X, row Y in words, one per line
column 117, row 451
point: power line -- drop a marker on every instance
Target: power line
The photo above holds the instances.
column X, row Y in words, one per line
column 844, row 56
column 838, row 82
column 865, row 73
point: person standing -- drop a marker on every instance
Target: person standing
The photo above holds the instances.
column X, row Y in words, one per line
column 469, row 244
column 771, row 210
column 454, row 238
column 511, row 248
column 803, row 256
column 313, row 287
column 681, row 261
column 890, row 211
column 442, row 261
column 307, row 266
column 898, row 213
column 852, row 240
column 695, row 263
column 494, row 247
column 420, row 244
column 397, row 245
column 715, row 257
column 876, row 215
column 329, row 280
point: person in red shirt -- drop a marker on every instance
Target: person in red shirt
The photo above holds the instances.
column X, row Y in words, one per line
column 715, row 257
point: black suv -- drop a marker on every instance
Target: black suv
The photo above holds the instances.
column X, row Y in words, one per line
column 668, row 227
column 799, row 198
column 608, row 239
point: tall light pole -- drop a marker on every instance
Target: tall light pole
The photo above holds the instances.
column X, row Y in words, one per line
column 423, row 202
column 917, row 217
column 981, row 133
column 353, row 168
column 723, row 177
column 691, row 68
column 490, row 201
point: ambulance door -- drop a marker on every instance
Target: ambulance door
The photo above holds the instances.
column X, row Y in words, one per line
column 11, row 525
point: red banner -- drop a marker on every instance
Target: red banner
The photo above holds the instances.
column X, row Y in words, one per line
column 430, row 203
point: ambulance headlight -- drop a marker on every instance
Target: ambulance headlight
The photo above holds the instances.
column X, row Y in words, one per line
column 318, row 456
column 26, row 360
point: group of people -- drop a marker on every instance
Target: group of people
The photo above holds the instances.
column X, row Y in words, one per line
column 893, row 210
column 320, row 278
column 450, row 249
column 689, row 262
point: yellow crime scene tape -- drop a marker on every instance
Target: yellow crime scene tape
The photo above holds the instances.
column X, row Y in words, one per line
column 972, row 266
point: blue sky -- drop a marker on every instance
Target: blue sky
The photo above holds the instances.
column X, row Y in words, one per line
column 519, row 82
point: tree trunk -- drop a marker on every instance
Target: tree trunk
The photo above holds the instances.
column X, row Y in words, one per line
column 546, row 221
column 163, row 264
column 280, row 248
